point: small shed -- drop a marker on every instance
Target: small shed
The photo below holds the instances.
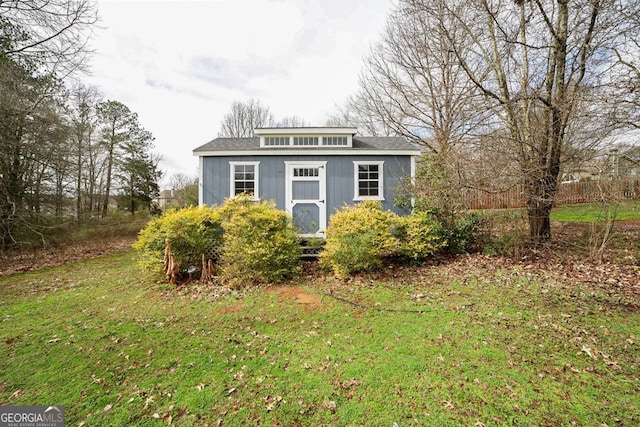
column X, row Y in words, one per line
column 308, row 171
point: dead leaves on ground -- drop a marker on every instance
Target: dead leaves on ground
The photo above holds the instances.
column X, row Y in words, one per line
column 34, row 260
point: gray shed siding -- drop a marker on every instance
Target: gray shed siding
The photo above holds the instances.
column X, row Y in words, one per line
column 216, row 175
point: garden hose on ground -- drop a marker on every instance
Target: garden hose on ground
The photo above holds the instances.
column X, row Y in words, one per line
column 383, row 309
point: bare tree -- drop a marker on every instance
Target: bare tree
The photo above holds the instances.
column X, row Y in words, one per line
column 185, row 189
column 547, row 71
column 52, row 32
column 292, row 122
column 626, row 72
column 179, row 181
column 414, row 83
column 28, row 117
column 358, row 111
column 244, row 118
column 83, row 116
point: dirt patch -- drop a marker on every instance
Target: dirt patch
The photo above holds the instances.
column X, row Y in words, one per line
column 236, row 308
column 303, row 298
column 284, row 291
column 296, row 294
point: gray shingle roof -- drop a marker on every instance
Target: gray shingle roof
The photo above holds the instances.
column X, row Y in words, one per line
column 391, row 143
column 230, row 144
column 383, row 143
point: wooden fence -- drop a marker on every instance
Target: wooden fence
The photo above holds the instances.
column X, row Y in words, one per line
column 568, row 193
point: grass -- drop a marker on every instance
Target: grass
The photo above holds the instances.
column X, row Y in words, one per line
column 465, row 345
column 580, row 213
column 596, row 212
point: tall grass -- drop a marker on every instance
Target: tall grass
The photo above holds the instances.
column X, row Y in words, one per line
column 58, row 232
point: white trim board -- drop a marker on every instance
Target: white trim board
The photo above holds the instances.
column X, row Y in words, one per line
column 311, row 151
column 322, row 182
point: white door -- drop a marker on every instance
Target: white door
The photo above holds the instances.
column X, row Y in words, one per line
column 306, row 196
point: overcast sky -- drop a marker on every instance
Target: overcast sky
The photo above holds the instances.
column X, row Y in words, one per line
column 180, row 64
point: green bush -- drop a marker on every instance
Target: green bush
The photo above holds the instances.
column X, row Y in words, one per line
column 192, row 232
column 420, row 235
column 504, row 243
column 359, row 237
column 249, row 241
column 437, row 191
column 260, row 242
column 461, row 233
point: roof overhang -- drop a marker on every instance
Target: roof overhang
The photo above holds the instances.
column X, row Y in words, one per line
column 307, row 131
column 307, row 152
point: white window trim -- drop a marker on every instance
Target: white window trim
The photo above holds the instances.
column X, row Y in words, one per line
column 349, row 139
column 200, row 181
column 301, row 138
column 357, row 197
column 232, row 176
column 263, row 142
column 321, row 178
column 321, row 143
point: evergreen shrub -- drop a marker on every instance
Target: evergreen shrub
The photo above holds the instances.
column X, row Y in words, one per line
column 260, row 242
column 462, row 233
column 359, row 237
column 421, row 236
column 192, row 232
column 248, row 241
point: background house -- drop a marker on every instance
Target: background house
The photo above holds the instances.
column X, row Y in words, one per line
column 309, row 172
column 165, row 199
column 625, row 162
column 619, row 162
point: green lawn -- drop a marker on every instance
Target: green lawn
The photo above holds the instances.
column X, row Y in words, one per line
column 595, row 212
column 466, row 345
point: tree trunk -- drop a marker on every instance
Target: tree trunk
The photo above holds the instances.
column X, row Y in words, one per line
column 543, row 177
column 539, row 216
column 107, row 190
column 539, row 223
column 15, row 190
column 91, row 184
column 131, row 199
column 79, row 182
column 59, row 202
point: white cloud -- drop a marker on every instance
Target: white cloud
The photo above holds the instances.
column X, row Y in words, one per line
column 180, row 64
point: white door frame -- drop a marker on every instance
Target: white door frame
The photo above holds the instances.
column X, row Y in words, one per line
column 322, row 200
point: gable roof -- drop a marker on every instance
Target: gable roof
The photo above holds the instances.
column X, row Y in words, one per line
column 361, row 144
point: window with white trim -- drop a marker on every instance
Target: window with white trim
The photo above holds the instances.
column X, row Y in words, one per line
column 335, row 141
column 305, row 140
column 244, row 178
column 368, row 182
column 276, row 141
column 305, row 172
